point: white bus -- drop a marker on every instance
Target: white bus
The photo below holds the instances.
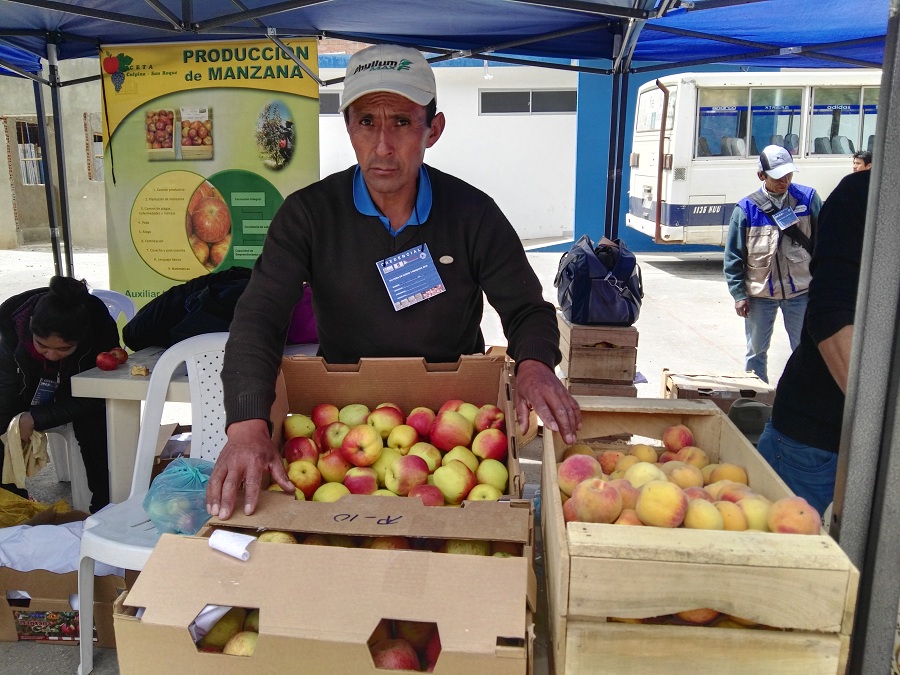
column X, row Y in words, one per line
column 716, row 126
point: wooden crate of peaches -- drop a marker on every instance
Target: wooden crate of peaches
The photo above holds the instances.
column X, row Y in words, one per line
column 664, row 527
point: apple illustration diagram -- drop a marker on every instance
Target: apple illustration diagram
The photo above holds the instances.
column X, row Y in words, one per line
column 208, row 225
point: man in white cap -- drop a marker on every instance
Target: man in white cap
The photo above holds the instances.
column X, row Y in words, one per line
column 398, row 256
column 767, row 254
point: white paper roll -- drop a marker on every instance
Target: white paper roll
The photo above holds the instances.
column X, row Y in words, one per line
column 231, row 543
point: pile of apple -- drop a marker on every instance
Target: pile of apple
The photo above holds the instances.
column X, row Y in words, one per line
column 112, row 359
column 671, row 487
column 443, row 457
column 498, row 549
column 235, row 633
column 159, row 128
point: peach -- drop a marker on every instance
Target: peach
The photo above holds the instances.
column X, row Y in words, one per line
column 676, row 437
column 626, row 462
column 735, row 492
column 728, row 471
column 715, row 488
column 698, row 493
column 642, row 473
column 698, row 616
column 575, row 469
column 608, row 459
column 666, row 456
column 707, row 472
column 628, row 492
column 691, row 454
column 756, row 509
column 628, row 517
column 578, row 449
column 569, row 511
column 645, row 453
column 595, row 501
column 703, row 515
column 732, row 516
column 794, row 515
column 662, row 504
column 683, row 475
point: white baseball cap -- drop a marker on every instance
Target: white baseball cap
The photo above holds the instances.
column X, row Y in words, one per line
column 776, row 162
column 390, row 68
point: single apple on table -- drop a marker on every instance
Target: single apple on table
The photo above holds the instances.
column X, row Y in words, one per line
column 300, row 447
column 333, row 466
column 429, row 453
column 324, row 414
column 455, row 480
column 353, row 414
column 298, row 425
column 449, row 430
column 106, row 361
column 384, row 419
column 305, row 476
column 362, row 445
column 361, row 480
column 421, row 419
column 490, row 444
column 405, row 473
column 402, row 437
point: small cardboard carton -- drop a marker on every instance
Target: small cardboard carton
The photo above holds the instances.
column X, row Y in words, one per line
column 320, row 605
column 723, row 389
column 36, row 606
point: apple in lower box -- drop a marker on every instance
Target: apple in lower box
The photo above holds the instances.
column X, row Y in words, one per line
column 241, row 644
column 449, row 430
column 300, row 447
column 362, row 445
column 466, row 547
column 416, row 633
column 402, row 438
column 432, row 651
column 405, row 473
column 324, row 414
column 330, row 492
column 455, row 480
column 421, row 419
column 277, row 537
column 333, row 466
column 353, row 414
column 394, row 654
column 298, row 425
column 305, row 476
column 384, row 419
column 429, row 494
column 490, row 417
column 390, row 543
column 492, row 472
column 361, row 480
column 222, row 630
column 429, row 453
column 490, row 444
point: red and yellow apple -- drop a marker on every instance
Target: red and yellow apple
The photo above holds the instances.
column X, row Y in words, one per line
column 455, row 480
column 362, row 445
column 404, row 473
column 449, row 430
column 361, row 480
column 490, row 444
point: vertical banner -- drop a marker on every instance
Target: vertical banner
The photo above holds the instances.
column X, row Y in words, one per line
column 202, row 142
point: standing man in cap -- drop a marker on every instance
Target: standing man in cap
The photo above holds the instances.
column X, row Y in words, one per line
column 348, row 235
column 767, row 254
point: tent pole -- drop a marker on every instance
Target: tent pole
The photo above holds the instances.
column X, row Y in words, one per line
column 866, row 501
column 60, row 157
column 610, row 227
column 48, row 176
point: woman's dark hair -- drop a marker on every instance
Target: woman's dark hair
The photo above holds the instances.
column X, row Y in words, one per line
column 63, row 311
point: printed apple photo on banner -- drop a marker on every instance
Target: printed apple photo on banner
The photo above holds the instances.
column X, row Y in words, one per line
column 275, row 135
column 196, row 133
column 160, row 128
column 208, row 225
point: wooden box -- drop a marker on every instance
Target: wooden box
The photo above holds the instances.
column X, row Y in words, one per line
column 802, row 587
column 597, row 354
column 589, row 388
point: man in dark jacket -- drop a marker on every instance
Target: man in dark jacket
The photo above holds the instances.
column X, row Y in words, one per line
column 37, row 365
column 801, row 439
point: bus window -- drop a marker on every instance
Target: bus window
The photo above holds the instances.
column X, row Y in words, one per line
column 775, row 119
column 722, row 122
column 870, row 117
column 835, row 121
column 649, row 110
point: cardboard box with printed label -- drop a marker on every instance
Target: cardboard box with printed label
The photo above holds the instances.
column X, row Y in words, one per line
column 613, row 588
column 320, row 605
column 723, row 389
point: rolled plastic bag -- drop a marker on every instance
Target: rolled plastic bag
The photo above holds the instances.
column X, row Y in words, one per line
column 176, row 500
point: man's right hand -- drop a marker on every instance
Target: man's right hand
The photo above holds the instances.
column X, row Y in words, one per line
column 247, row 456
column 742, row 307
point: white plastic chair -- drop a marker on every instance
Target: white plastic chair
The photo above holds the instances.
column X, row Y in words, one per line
column 117, row 303
column 122, row 534
column 65, row 455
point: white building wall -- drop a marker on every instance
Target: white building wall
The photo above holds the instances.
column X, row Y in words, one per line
column 525, row 162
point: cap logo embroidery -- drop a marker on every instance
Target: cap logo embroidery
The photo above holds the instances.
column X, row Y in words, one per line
column 402, row 64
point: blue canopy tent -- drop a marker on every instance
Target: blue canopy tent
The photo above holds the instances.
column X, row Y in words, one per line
column 625, row 37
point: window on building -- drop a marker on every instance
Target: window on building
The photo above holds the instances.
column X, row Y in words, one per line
column 30, row 153
column 94, row 145
column 329, row 103
column 528, row 102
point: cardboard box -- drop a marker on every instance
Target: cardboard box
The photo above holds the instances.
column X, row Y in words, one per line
column 320, row 604
column 409, row 383
column 597, row 354
column 723, row 389
column 48, row 615
column 804, row 586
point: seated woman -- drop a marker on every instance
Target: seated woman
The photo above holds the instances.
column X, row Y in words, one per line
column 47, row 335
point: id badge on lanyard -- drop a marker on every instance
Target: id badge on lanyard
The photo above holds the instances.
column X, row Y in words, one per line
column 785, row 218
column 410, row 277
column 46, row 391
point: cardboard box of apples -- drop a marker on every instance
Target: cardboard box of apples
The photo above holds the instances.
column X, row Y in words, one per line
column 363, row 573
column 693, row 534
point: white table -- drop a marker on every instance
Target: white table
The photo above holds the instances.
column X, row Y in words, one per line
column 124, row 393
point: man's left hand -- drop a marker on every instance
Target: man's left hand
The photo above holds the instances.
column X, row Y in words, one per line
column 538, row 388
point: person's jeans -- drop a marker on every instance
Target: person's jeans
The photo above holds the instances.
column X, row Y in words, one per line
column 759, row 323
column 808, row 471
